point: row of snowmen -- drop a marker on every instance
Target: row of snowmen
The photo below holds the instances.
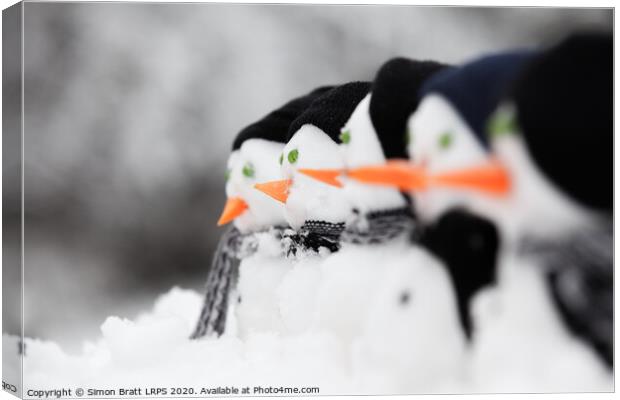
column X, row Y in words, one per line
column 450, row 226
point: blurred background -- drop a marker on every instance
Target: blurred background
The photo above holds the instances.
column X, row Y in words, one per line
column 130, row 111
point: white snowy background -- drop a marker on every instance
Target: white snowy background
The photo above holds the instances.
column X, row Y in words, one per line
column 130, row 113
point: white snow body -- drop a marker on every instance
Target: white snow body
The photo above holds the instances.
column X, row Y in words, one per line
column 521, row 345
column 256, row 305
column 261, row 156
column 297, row 294
column 260, row 273
column 355, row 297
column 350, row 280
column 390, row 309
column 411, row 340
column 523, row 326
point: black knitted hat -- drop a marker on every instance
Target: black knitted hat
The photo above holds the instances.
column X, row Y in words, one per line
column 394, row 97
column 564, row 103
column 274, row 126
column 331, row 111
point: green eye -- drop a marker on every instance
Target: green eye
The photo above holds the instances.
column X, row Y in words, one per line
column 293, row 155
column 227, row 175
column 248, row 170
column 502, row 122
column 281, row 159
column 445, row 140
column 408, row 137
column 345, row 137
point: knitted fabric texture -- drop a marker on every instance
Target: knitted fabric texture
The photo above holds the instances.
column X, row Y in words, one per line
column 579, row 269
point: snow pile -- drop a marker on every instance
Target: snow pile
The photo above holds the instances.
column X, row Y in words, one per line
column 333, row 322
column 365, row 320
column 154, row 350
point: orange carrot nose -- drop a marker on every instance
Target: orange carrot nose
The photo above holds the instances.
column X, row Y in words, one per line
column 275, row 189
column 491, row 178
column 234, row 207
column 397, row 173
column 329, row 176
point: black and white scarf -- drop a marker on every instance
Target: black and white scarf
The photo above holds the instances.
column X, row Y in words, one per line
column 579, row 271
column 374, row 227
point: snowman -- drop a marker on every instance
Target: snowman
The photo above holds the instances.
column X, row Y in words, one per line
column 257, row 228
column 547, row 326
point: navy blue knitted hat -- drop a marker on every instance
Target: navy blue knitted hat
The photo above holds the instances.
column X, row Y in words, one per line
column 274, row 126
column 475, row 88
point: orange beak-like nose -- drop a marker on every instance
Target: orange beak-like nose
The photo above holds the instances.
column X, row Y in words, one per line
column 275, row 189
column 396, row 173
column 491, row 178
column 328, row 176
column 234, row 207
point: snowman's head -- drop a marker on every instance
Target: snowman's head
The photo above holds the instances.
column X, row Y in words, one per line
column 447, row 133
column 305, row 198
column 439, row 140
column 254, row 159
column 312, row 157
column 254, row 162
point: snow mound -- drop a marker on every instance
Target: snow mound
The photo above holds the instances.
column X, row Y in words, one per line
column 360, row 321
column 154, row 351
column 345, row 326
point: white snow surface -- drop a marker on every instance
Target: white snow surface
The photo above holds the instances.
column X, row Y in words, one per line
column 365, row 320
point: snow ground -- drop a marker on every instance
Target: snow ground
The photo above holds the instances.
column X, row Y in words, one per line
column 154, row 350
column 347, row 326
